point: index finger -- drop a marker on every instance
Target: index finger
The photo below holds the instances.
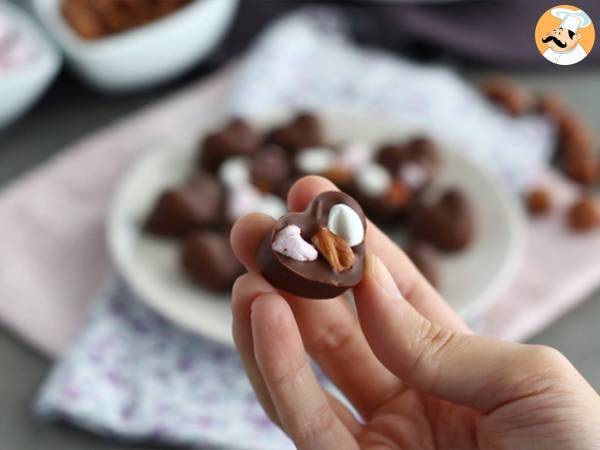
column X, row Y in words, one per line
column 415, row 288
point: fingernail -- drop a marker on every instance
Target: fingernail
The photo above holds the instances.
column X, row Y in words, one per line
column 377, row 271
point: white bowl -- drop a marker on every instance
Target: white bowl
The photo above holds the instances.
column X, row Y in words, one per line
column 21, row 86
column 146, row 55
column 469, row 279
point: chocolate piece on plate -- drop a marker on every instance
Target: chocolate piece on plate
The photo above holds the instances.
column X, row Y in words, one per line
column 318, row 253
column 448, row 223
column 238, row 138
column 208, row 260
column 196, row 204
column 270, row 169
column 302, row 132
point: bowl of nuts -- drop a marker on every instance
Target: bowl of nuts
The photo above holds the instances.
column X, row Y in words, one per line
column 122, row 45
column 169, row 223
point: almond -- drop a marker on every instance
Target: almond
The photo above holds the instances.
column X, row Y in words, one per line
column 334, row 249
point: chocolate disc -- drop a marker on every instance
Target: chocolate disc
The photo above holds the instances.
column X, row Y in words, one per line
column 318, row 278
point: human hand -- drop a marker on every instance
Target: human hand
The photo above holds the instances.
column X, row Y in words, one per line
column 407, row 363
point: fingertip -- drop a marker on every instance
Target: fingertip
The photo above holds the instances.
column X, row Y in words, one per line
column 305, row 189
column 247, row 234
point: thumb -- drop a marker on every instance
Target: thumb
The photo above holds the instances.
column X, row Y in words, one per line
column 474, row 371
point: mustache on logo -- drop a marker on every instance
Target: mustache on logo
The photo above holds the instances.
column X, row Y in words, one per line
column 555, row 40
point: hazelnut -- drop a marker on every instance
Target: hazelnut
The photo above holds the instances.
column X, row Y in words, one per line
column 538, row 201
column 515, row 99
column 582, row 169
column 584, row 214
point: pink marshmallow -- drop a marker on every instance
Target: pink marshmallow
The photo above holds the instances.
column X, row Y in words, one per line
column 289, row 242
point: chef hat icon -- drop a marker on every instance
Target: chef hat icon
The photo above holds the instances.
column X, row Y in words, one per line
column 572, row 19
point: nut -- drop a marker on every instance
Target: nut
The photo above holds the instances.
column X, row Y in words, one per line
column 334, row 249
column 339, row 176
column 397, row 195
column 584, row 214
column 538, row 201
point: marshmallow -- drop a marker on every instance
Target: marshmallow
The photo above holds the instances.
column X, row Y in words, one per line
column 271, row 205
column 345, row 222
column 241, row 201
column 374, row 180
column 412, row 174
column 355, row 155
column 289, row 242
column 315, row 160
column 235, row 172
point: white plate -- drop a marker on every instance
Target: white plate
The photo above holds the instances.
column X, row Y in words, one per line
column 470, row 279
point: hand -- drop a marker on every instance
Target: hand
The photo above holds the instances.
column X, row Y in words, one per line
column 408, row 364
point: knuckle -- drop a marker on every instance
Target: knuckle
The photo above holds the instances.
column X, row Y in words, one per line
column 432, row 344
column 312, row 427
column 292, row 375
column 336, row 337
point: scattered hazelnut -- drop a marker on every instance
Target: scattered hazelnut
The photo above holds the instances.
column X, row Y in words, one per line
column 538, row 201
column 584, row 214
column 515, row 99
column 582, row 169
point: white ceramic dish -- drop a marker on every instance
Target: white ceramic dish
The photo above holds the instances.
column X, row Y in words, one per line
column 470, row 279
column 146, row 55
column 21, row 86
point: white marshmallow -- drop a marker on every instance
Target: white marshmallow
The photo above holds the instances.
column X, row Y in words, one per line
column 354, row 155
column 345, row 222
column 241, row 201
column 271, row 205
column 235, row 172
column 412, row 174
column 315, row 160
column 374, row 180
column 289, row 242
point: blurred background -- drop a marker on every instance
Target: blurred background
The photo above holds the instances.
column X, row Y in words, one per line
column 87, row 87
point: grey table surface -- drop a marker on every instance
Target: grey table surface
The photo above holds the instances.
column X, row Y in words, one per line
column 69, row 111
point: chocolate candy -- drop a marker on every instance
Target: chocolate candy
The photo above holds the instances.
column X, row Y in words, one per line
column 448, row 224
column 236, row 139
column 326, row 162
column 508, row 94
column 207, row 258
column 318, row 253
column 197, row 204
column 538, row 201
column 425, row 258
column 584, row 214
column 302, row 132
column 270, row 170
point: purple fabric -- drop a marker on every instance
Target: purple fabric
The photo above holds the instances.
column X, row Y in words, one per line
column 495, row 33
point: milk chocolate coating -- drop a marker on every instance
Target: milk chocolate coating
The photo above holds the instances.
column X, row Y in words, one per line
column 238, row 138
column 302, row 132
column 311, row 279
column 207, row 259
column 197, row 204
column 448, row 224
column 270, row 169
